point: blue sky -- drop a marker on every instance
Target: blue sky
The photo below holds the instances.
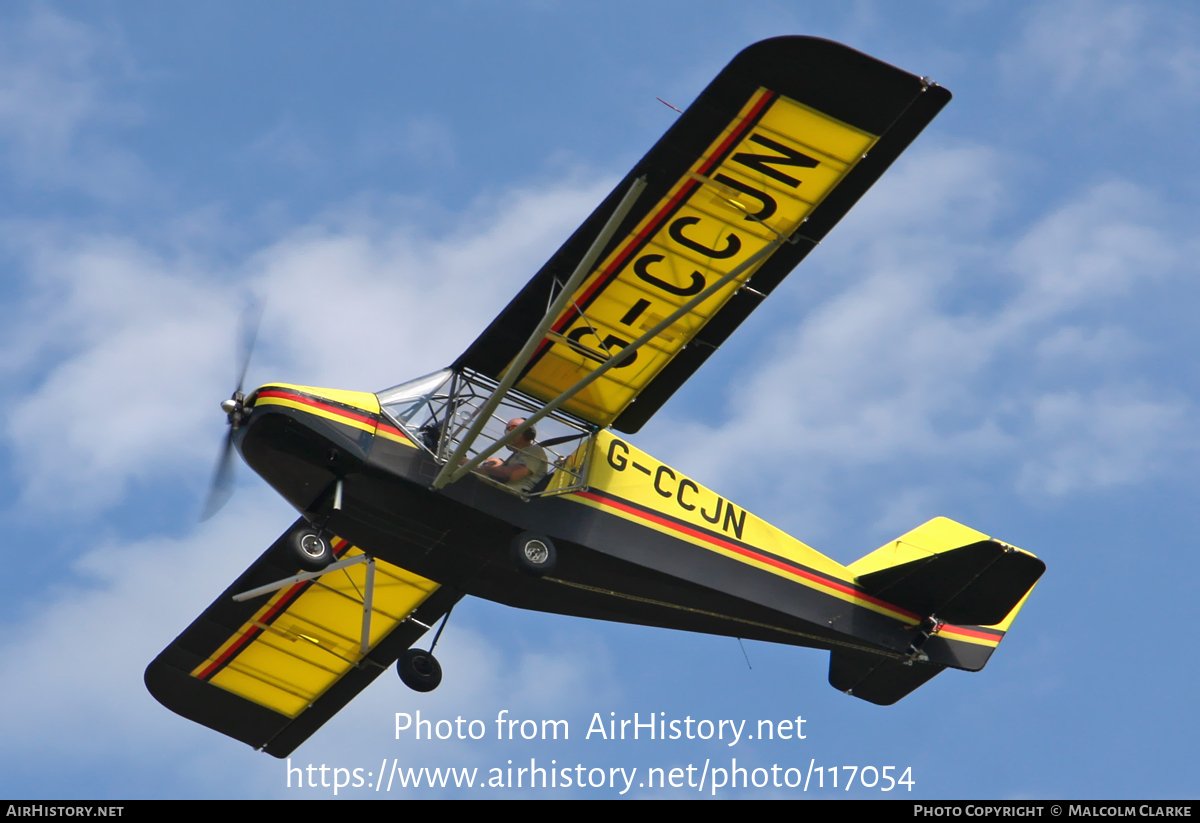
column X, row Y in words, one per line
column 1000, row 332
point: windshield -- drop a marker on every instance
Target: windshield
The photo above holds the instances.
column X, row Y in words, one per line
column 417, row 400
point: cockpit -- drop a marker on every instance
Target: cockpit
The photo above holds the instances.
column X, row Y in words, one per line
column 438, row 411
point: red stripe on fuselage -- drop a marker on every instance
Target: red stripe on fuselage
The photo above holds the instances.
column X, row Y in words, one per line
column 308, row 401
column 389, row 429
column 982, row 634
column 745, row 552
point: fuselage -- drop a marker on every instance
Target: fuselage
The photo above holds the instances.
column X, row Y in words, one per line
column 640, row 542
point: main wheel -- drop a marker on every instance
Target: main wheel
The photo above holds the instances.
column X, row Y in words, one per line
column 419, row 670
column 310, row 549
column 534, row 553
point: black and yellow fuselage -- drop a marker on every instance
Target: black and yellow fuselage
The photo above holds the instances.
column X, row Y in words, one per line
column 637, row 542
column 641, row 543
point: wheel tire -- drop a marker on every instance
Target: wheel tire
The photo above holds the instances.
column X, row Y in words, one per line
column 534, row 553
column 310, row 550
column 419, row 670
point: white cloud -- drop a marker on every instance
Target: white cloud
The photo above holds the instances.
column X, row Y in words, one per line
column 358, row 306
column 1079, row 49
column 1075, row 346
column 132, row 351
column 1102, row 438
column 54, row 105
column 426, row 140
column 1092, row 250
column 47, row 89
column 137, row 341
column 78, row 660
column 287, row 145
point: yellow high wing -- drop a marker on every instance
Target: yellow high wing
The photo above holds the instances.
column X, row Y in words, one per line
column 747, row 194
column 748, row 180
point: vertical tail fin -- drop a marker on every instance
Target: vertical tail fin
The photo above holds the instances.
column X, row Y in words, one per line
column 967, row 586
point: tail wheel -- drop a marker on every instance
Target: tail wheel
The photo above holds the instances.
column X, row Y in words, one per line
column 534, row 553
column 419, row 670
column 310, row 549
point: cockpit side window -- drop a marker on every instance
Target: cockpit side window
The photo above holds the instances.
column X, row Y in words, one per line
column 437, row 410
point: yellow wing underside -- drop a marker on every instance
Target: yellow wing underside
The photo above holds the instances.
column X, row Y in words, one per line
column 306, row 637
column 754, row 185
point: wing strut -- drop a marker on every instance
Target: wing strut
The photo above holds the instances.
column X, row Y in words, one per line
column 300, row 578
column 450, row 472
column 556, row 308
column 368, row 593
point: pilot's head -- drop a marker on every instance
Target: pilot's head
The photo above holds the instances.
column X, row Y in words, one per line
column 526, row 437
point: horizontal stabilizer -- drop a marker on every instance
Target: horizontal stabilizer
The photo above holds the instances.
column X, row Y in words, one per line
column 935, row 571
column 875, row 678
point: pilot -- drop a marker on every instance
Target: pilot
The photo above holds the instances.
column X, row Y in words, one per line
column 524, row 467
